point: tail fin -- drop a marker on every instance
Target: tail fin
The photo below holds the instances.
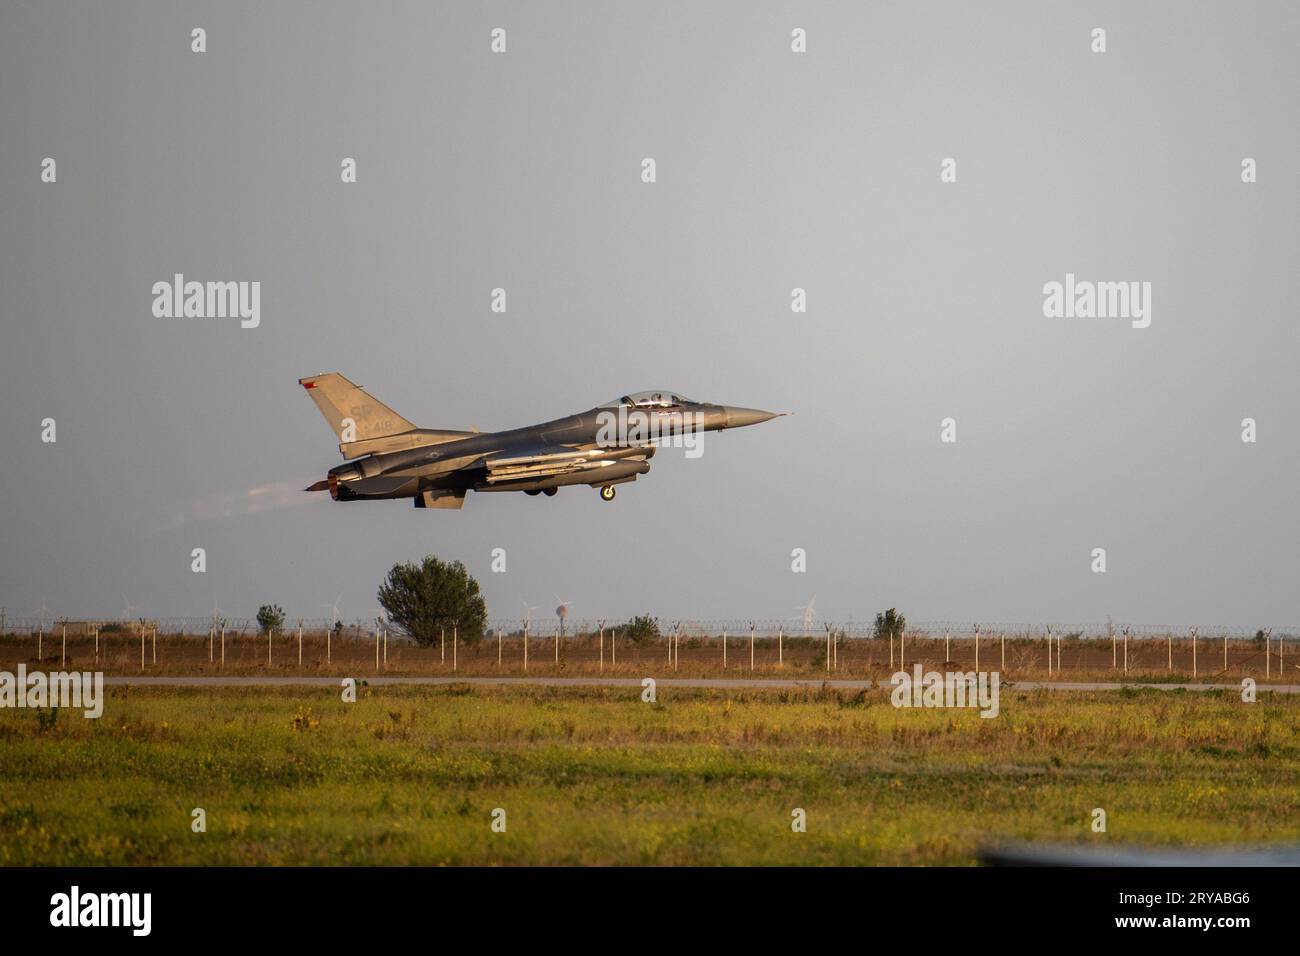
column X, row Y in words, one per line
column 354, row 415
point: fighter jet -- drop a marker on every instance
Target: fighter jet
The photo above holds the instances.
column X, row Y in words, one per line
column 389, row 457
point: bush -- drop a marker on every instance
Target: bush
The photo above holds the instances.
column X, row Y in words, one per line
column 641, row 630
column 890, row 624
column 270, row 617
column 421, row 598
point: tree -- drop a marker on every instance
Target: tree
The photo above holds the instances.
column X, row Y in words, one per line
column 270, row 617
column 421, row 598
column 890, row 623
column 642, row 630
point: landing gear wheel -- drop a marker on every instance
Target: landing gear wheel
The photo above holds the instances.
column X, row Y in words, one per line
column 550, row 492
column 607, row 493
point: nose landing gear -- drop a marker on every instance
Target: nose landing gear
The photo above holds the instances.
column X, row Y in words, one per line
column 607, row 493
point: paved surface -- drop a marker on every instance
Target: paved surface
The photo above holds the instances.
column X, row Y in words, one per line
column 738, row 683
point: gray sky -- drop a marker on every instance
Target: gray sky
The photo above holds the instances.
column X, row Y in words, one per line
column 775, row 171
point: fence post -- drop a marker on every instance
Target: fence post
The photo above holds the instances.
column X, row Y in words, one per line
column 1171, row 651
column 63, row 654
column 977, row 648
column 602, row 648
column 525, row 648
column 1114, row 659
column 1268, row 641
column 613, row 648
column 780, row 647
column 223, row 645
column 300, row 642
column 947, row 651
column 1193, row 653
column 442, row 643
column 498, row 648
column 1004, row 650
column 724, row 650
column 142, row 648
column 751, row 649
column 1126, row 630
column 329, row 646
column 455, row 627
column 96, row 644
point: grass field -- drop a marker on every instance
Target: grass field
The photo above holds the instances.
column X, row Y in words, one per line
column 593, row 776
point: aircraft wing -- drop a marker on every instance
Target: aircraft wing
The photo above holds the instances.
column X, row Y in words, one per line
column 545, row 461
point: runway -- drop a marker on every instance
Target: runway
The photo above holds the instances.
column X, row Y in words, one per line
column 728, row 683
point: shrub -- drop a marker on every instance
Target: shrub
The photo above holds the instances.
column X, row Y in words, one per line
column 641, row 630
column 270, row 617
column 890, row 624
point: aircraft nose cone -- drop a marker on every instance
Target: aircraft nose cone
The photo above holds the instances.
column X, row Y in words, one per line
column 739, row 417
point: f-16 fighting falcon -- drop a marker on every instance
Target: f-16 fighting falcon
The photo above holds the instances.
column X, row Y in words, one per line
column 389, row 457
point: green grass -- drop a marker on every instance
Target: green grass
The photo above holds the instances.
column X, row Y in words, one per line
column 412, row 775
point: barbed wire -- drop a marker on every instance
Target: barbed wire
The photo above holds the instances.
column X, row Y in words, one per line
column 199, row 625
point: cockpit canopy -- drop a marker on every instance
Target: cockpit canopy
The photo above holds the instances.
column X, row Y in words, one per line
column 654, row 398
